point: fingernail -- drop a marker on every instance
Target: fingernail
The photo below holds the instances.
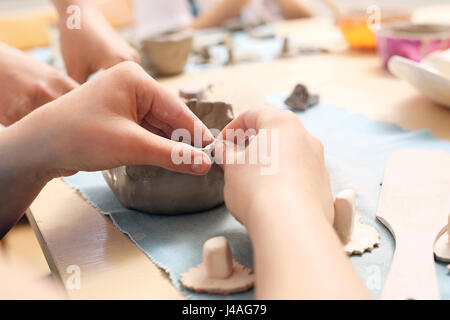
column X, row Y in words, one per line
column 202, row 167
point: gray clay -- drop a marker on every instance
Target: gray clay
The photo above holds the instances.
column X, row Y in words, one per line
column 156, row 190
column 301, row 99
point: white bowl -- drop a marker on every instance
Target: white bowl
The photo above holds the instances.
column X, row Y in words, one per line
column 427, row 76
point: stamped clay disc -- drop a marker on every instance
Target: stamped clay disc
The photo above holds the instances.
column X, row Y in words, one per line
column 196, row 279
column 364, row 238
column 442, row 248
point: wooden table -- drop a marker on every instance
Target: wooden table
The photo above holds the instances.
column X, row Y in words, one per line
column 71, row 232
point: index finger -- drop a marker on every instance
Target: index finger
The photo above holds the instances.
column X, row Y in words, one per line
column 171, row 110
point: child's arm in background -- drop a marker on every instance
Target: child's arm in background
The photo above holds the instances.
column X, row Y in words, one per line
column 288, row 212
column 96, row 45
column 295, row 9
column 219, row 13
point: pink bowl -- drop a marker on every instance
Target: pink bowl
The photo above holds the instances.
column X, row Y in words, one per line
column 412, row 41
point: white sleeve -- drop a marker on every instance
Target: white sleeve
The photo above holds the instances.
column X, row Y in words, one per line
column 158, row 16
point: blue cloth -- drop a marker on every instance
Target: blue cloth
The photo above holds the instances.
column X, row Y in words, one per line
column 356, row 149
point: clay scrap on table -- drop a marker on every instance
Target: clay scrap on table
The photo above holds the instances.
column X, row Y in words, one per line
column 301, row 99
column 219, row 273
column 286, row 50
column 239, row 58
column 156, row 190
column 356, row 236
column 442, row 245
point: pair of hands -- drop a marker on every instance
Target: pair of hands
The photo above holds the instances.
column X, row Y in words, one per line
column 26, row 84
column 123, row 116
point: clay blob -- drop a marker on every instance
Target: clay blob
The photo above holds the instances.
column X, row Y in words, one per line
column 167, row 54
column 218, row 273
column 355, row 236
column 442, row 245
column 156, row 190
column 301, row 99
column 192, row 91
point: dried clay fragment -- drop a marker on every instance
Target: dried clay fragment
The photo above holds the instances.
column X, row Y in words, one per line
column 356, row 236
column 301, row 99
column 218, row 273
column 442, row 245
column 286, row 51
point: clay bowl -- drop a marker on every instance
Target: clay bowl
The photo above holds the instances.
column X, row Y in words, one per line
column 167, row 54
column 156, row 190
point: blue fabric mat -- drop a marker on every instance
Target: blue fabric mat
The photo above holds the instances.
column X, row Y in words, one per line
column 356, row 149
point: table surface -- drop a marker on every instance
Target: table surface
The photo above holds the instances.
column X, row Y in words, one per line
column 71, row 232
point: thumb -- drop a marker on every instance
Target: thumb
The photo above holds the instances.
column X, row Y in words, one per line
column 151, row 149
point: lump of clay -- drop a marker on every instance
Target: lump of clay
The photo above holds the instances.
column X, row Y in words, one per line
column 301, row 99
column 356, row 236
column 442, row 245
column 167, row 54
column 156, row 190
column 192, row 91
column 218, row 273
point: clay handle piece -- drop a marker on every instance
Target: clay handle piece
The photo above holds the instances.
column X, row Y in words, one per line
column 344, row 218
column 217, row 258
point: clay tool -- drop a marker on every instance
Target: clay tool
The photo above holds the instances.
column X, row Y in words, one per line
column 414, row 205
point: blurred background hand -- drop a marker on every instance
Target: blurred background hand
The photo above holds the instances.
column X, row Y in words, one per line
column 26, row 84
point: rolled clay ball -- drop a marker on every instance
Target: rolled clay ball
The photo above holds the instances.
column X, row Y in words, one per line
column 156, row 190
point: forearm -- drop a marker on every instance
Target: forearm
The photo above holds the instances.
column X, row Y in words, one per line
column 219, row 13
column 295, row 9
column 62, row 5
column 23, row 172
column 297, row 253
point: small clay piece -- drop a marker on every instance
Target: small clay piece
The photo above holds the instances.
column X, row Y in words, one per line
column 218, row 273
column 230, row 50
column 448, row 267
column 261, row 32
column 167, row 54
column 356, row 236
column 192, row 91
column 442, row 245
column 286, row 51
column 156, row 190
column 301, row 99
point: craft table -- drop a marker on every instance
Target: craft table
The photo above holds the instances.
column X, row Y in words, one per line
column 71, row 232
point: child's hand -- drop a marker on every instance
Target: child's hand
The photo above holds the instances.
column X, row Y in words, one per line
column 26, row 83
column 96, row 45
column 297, row 169
column 120, row 117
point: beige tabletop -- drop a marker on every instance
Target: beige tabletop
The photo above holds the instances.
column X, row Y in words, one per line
column 71, row 232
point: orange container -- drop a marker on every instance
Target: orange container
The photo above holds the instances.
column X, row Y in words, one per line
column 356, row 31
